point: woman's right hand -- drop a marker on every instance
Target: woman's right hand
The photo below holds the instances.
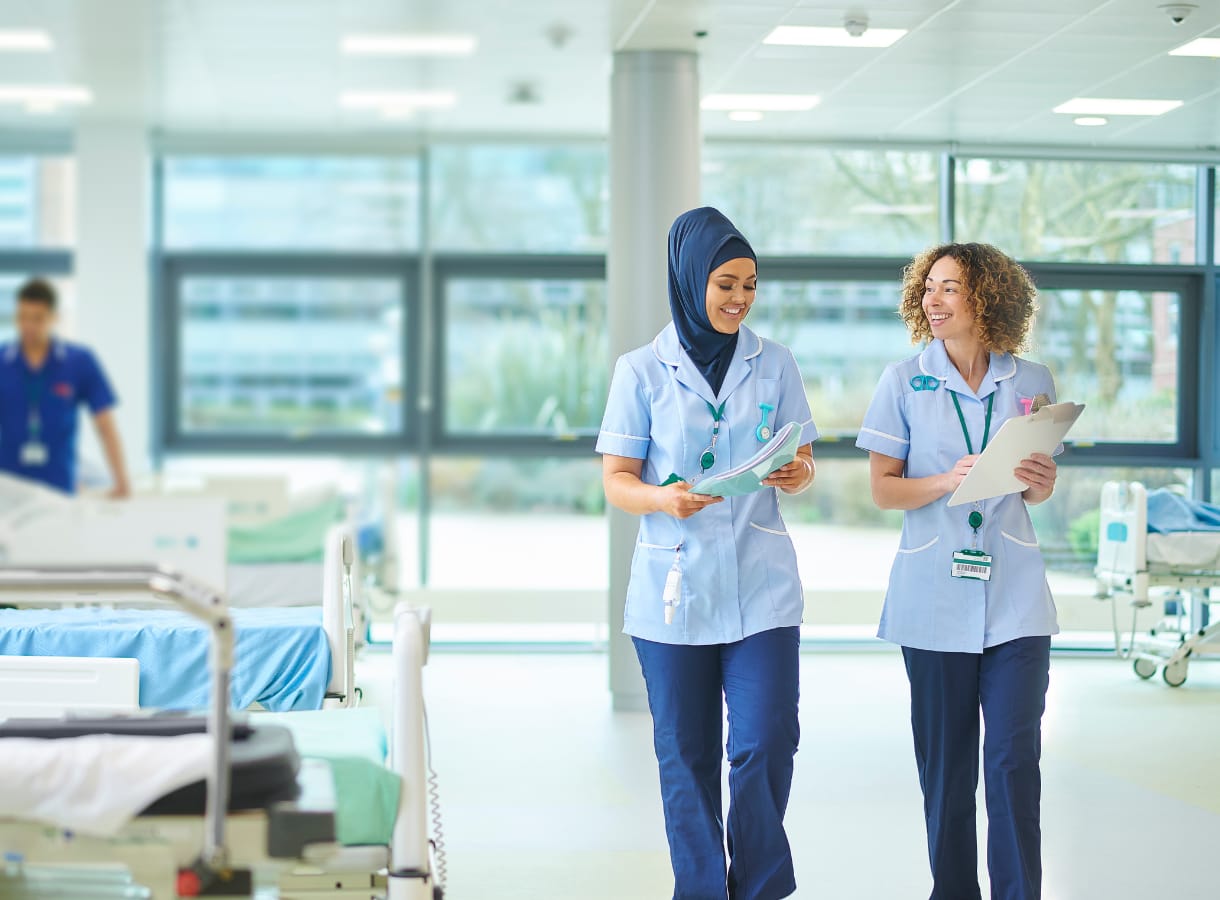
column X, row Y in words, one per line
column 959, row 471
column 677, row 500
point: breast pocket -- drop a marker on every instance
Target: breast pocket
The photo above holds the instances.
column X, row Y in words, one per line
column 763, row 418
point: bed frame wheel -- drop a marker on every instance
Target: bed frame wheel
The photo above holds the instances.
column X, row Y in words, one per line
column 1175, row 674
column 1144, row 668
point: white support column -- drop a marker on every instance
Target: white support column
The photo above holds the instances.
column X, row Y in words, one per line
column 111, row 270
column 654, row 176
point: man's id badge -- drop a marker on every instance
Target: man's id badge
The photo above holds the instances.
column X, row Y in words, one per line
column 972, row 564
column 33, row 453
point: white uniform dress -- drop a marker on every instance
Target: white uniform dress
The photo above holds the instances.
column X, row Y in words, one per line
column 739, row 573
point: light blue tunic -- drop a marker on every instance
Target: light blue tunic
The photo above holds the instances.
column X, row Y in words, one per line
column 925, row 607
column 738, row 564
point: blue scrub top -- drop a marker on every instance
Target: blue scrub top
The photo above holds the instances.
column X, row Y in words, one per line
column 69, row 377
column 912, row 417
column 739, row 573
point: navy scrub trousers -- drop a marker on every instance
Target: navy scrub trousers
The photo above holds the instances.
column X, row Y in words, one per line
column 1009, row 683
column 688, row 688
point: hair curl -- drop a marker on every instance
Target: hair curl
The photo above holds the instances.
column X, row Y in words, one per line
column 997, row 288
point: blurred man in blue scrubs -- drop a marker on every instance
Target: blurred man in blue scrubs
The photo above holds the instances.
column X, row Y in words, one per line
column 43, row 379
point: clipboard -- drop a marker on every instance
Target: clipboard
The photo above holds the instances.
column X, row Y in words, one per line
column 1020, row 436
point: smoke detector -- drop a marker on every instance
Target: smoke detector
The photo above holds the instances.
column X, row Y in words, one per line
column 855, row 23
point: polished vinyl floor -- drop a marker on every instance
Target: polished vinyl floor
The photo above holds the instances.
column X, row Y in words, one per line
column 548, row 793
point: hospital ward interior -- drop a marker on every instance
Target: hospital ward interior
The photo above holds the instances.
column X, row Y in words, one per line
column 405, row 422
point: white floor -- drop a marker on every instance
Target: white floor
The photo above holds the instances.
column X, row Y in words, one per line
column 547, row 793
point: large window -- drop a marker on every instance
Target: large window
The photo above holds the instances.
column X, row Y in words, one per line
column 290, row 355
column 1079, row 211
column 1116, row 351
column 499, row 198
column 842, row 333
column 362, row 204
column 793, row 200
column 524, row 356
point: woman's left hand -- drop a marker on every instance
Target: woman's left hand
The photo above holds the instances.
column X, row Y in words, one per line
column 792, row 478
column 1038, row 474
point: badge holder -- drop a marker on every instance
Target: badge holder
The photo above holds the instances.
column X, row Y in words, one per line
column 973, row 564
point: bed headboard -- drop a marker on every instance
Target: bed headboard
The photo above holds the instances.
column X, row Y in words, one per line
column 1122, row 540
column 185, row 533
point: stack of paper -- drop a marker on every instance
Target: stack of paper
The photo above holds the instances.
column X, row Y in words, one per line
column 748, row 477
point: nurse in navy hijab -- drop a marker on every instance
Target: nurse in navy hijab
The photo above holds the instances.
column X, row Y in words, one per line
column 714, row 600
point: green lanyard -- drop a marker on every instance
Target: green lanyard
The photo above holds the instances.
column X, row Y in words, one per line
column 33, row 396
column 965, row 431
column 707, row 458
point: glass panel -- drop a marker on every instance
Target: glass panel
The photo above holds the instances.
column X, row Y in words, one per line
column 296, row 356
column 534, row 523
column 525, row 356
column 801, row 200
column 1116, row 351
column 1079, row 211
column 366, row 204
column 843, row 334
column 500, row 197
column 37, row 201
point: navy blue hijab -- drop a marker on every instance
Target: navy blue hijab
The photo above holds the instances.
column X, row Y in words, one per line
column 700, row 241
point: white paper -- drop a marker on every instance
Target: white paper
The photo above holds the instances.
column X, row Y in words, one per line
column 1017, row 439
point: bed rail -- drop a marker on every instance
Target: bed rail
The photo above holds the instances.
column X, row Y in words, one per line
column 197, row 599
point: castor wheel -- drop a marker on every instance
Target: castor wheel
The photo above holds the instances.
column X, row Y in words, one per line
column 1144, row 668
column 1175, row 674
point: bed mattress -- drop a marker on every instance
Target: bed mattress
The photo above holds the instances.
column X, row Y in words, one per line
column 282, row 659
column 1184, row 551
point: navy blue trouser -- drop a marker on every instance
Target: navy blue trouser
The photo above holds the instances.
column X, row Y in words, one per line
column 1009, row 683
column 688, row 688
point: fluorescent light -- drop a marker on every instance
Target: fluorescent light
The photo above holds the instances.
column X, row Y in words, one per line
column 808, row 36
column 1096, row 106
column 397, row 99
column 761, row 102
column 746, row 115
column 409, row 44
column 1199, row 47
column 44, row 94
column 397, row 113
column 24, row 41
column 1091, row 121
column 41, row 107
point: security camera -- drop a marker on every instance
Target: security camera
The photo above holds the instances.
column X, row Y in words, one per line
column 1177, row 12
column 855, row 24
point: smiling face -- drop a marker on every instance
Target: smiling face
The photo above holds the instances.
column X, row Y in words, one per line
column 946, row 303
column 730, row 294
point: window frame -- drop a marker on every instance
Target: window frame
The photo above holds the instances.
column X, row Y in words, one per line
column 542, row 267
column 176, row 267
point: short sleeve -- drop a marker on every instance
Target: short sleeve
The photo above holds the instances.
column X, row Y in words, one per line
column 885, row 428
column 794, row 402
column 94, row 388
column 627, row 422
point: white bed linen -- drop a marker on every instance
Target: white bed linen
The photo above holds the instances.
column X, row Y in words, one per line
column 1185, row 550
column 98, row 783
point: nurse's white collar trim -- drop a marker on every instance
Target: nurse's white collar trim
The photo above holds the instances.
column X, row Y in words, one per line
column 57, row 347
column 1002, row 376
column 656, row 345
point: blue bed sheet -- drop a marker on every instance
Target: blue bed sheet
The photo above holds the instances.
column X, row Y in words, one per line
column 282, row 657
column 1169, row 512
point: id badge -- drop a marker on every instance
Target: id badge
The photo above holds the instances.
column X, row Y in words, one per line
column 33, row 454
column 972, row 564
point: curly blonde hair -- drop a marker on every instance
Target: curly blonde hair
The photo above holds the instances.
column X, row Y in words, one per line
column 999, row 291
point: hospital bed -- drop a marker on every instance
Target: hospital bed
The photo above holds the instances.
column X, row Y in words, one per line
column 288, row 828
column 59, row 658
column 1160, row 543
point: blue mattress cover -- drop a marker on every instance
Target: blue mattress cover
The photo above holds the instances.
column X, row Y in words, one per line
column 282, row 658
column 1169, row 512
